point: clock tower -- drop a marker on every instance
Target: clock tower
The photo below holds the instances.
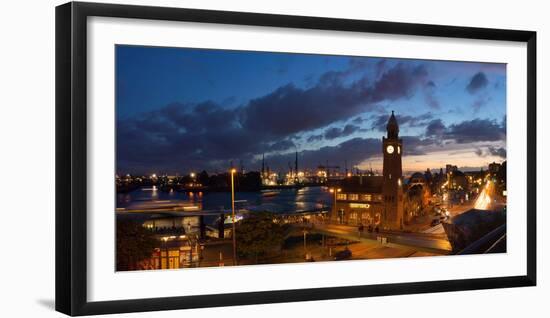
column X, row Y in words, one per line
column 392, row 148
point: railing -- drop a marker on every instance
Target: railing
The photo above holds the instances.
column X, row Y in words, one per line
column 486, row 242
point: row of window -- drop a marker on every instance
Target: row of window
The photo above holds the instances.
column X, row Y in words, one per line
column 358, row 197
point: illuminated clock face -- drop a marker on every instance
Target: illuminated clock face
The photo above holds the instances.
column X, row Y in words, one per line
column 389, row 149
column 398, row 149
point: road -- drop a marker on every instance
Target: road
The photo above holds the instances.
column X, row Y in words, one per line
column 433, row 243
column 488, row 199
column 431, row 240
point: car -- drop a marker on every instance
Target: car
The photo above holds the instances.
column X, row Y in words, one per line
column 342, row 255
column 435, row 222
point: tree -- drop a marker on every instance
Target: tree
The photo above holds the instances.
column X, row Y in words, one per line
column 250, row 181
column 412, row 203
column 258, row 234
column 134, row 243
column 203, row 178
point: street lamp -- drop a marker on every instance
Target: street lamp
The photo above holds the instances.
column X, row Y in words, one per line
column 233, row 171
column 335, row 191
column 165, row 240
column 305, row 244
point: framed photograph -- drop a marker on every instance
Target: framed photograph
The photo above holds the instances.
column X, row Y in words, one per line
column 208, row 158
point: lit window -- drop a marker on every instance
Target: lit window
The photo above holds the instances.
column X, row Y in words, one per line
column 353, row 197
column 366, row 197
column 341, row 196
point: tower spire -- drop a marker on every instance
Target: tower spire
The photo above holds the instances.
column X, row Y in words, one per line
column 392, row 127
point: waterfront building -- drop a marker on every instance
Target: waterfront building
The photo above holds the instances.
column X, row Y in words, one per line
column 371, row 200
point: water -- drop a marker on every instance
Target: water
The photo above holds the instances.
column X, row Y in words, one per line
column 276, row 201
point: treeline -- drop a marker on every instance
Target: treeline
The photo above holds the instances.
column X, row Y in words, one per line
column 249, row 181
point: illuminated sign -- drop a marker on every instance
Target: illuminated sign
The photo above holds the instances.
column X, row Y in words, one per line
column 359, row 205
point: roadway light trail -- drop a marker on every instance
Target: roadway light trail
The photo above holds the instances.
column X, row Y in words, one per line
column 484, row 199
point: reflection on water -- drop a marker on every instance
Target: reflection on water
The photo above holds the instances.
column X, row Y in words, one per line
column 277, row 201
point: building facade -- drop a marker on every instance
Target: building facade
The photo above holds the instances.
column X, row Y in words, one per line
column 370, row 200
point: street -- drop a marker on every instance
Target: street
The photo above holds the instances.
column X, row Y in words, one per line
column 433, row 243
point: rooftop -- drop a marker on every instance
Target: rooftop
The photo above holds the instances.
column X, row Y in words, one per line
column 363, row 184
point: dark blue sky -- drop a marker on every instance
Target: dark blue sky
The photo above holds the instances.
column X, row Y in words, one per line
column 181, row 110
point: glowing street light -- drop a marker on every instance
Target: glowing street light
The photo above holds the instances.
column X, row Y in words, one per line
column 165, row 239
column 233, row 171
column 335, row 191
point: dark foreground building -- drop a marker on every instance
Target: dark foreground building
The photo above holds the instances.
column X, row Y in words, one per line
column 375, row 201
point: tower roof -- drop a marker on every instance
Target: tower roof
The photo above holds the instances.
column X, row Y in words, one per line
column 392, row 127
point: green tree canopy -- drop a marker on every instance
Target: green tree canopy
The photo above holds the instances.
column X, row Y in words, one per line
column 259, row 234
column 134, row 243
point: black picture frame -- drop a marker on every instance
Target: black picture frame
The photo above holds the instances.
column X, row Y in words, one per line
column 71, row 157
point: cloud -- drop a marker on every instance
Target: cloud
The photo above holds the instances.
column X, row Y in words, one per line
column 415, row 145
column 335, row 132
column 429, row 95
column 180, row 137
column 399, row 82
column 314, row 138
column 478, row 82
column 435, row 128
column 207, row 135
column 476, row 130
column 500, row 151
column 479, row 152
column 380, row 67
column 356, row 150
column 358, row 120
column 329, row 101
column 379, row 122
column 467, row 131
column 281, row 145
column 480, row 101
column 491, row 150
